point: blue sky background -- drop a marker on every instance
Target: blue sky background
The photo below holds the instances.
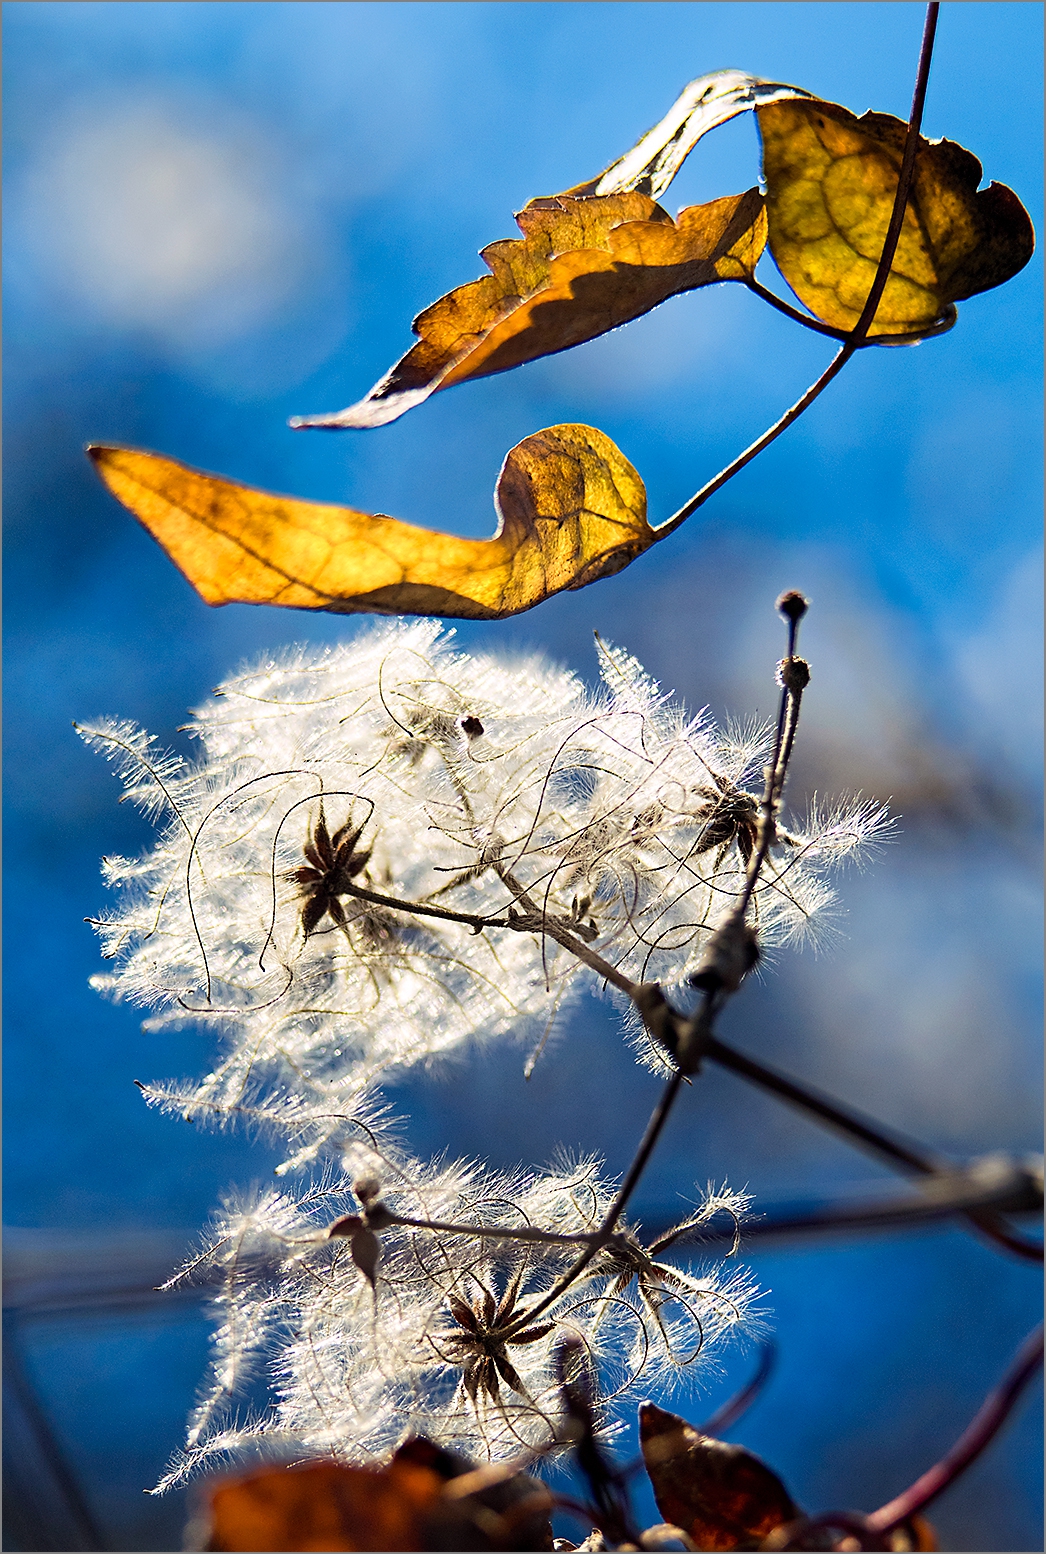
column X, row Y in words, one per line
column 220, row 215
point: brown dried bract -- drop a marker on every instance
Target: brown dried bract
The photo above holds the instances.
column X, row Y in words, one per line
column 480, row 1341
column 333, row 863
column 722, row 1496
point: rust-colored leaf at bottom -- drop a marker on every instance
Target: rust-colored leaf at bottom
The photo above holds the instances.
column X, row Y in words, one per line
column 324, row 1506
column 425, row 1499
column 571, row 510
column 722, row 1496
column 917, row 1534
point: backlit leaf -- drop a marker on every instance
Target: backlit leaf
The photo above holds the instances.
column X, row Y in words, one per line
column 831, row 179
column 571, row 510
column 583, row 266
column 722, row 1496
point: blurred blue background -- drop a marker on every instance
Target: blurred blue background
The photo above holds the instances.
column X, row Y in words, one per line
column 220, row 215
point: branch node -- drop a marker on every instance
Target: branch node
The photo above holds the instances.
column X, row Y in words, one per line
column 792, row 605
column 728, row 957
column 793, row 674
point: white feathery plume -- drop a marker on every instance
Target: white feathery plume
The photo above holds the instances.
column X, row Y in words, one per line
column 440, row 1343
column 496, row 789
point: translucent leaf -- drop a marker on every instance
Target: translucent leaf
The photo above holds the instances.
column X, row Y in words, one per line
column 571, row 510
column 831, row 179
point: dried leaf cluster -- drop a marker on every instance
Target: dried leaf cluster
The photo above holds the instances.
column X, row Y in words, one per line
column 571, row 508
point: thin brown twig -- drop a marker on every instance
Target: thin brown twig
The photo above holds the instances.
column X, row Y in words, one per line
column 856, row 338
column 605, row 1232
column 940, row 325
column 989, row 1418
column 382, row 1216
column 896, row 1151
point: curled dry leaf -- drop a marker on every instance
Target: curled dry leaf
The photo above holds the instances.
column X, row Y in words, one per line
column 425, row 1499
column 571, row 510
column 702, row 105
column 722, row 1496
column 584, row 265
column 831, row 179
column 323, row 1505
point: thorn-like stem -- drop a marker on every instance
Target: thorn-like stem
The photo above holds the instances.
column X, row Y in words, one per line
column 858, row 335
column 989, row 1418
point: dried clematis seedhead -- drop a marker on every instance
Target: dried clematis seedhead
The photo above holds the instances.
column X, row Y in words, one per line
column 391, row 848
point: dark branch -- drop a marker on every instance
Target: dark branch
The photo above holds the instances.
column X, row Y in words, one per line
column 856, row 338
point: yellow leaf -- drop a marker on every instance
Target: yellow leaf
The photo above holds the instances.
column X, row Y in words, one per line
column 831, row 179
column 571, row 510
column 584, row 265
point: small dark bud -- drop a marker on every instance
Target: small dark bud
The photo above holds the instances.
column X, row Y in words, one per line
column 346, row 1226
column 728, row 957
column 366, row 1249
column 366, row 1188
column 792, row 605
column 793, row 674
column 472, row 727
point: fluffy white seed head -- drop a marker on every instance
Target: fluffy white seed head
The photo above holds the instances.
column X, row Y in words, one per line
column 398, row 767
column 442, row 1342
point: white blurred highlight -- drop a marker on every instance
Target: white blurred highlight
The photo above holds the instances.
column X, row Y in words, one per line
column 149, row 221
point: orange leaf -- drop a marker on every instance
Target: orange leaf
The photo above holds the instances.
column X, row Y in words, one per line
column 831, row 180
column 585, row 265
column 425, row 1498
column 917, row 1534
column 571, row 510
column 323, row 1506
column 722, row 1496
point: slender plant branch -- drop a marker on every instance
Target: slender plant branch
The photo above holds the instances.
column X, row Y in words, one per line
column 858, row 1127
column 728, row 1413
column 857, row 336
column 865, row 1131
column 989, row 1418
column 539, row 921
column 1008, row 1189
column 416, row 908
column 940, row 326
column 994, row 1229
column 766, row 295
column 643, row 1153
column 381, row 1216
column 794, row 675
column 606, row 1230
column 534, row 921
